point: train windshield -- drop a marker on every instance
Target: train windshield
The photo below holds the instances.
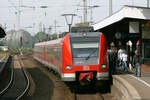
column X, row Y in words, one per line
column 85, row 50
column 85, row 53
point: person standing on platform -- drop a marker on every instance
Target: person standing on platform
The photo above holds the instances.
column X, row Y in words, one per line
column 112, row 54
column 124, row 61
column 137, row 61
column 120, row 52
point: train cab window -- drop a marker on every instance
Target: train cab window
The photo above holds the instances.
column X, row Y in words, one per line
column 86, row 53
column 84, row 49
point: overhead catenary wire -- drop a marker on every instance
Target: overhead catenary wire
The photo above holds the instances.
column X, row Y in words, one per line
column 61, row 6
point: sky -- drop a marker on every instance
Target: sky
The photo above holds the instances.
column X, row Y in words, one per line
column 32, row 16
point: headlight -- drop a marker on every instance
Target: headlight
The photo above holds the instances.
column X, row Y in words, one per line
column 103, row 66
column 68, row 67
column 84, row 34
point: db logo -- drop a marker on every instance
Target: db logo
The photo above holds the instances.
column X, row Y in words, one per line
column 86, row 68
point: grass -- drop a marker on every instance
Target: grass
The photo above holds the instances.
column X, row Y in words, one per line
column 4, row 53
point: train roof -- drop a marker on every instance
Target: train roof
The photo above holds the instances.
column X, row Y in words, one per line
column 89, row 34
column 82, row 29
column 49, row 42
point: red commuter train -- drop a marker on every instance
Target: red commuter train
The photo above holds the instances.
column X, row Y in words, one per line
column 76, row 56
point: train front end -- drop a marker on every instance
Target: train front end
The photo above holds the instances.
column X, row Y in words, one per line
column 84, row 57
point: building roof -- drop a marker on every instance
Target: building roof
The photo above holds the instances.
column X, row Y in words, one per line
column 125, row 12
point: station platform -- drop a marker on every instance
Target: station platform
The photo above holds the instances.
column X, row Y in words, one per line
column 133, row 87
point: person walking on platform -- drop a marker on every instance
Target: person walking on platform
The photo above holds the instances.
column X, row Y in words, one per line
column 124, row 61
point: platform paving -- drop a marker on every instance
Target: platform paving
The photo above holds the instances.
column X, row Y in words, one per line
column 141, row 84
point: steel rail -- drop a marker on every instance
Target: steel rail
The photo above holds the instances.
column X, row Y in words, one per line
column 27, row 79
column 11, row 79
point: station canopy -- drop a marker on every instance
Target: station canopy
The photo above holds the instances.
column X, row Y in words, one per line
column 127, row 12
column 2, row 32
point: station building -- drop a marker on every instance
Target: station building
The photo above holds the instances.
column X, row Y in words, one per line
column 127, row 26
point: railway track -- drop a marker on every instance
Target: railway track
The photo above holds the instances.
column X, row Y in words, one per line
column 19, row 82
column 45, row 86
column 44, row 83
column 89, row 93
column 58, row 90
column 7, row 74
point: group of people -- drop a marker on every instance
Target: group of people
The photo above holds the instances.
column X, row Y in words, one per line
column 120, row 58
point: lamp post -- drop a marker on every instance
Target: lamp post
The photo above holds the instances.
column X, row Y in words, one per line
column 69, row 19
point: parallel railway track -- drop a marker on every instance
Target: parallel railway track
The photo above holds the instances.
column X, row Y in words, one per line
column 89, row 93
column 8, row 68
column 19, row 82
column 56, row 90
column 20, row 90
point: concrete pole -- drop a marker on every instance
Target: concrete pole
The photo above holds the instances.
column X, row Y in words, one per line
column 85, row 11
column 147, row 3
column 19, row 14
column 69, row 28
column 110, row 7
column 55, row 22
column 55, row 26
column 91, row 11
